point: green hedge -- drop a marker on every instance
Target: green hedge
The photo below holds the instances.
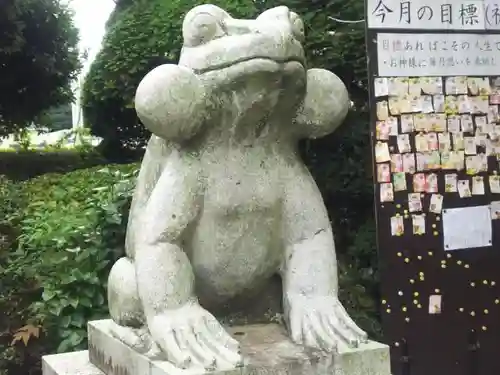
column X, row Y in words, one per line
column 61, row 233
column 140, row 36
column 23, row 165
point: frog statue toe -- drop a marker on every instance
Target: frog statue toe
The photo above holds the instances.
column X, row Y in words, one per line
column 223, row 201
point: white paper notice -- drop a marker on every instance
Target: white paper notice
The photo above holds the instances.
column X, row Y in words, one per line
column 438, row 54
column 435, row 302
column 466, row 228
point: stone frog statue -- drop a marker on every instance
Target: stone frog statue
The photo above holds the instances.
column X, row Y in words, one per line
column 223, row 202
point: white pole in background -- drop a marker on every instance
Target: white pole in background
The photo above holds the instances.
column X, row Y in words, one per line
column 90, row 19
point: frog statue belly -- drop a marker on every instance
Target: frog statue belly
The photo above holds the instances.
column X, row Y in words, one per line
column 223, row 201
column 236, row 245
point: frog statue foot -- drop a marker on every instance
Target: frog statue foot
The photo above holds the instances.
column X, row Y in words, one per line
column 223, row 201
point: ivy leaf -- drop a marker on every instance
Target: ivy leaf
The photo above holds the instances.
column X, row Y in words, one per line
column 65, row 321
column 48, row 295
column 74, row 301
column 78, row 320
column 72, row 341
column 56, row 308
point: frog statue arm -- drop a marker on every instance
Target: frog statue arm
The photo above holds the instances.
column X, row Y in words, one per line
column 232, row 110
column 313, row 312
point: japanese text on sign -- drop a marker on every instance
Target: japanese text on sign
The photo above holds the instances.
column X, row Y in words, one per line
column 431, row 14
column 438, row 54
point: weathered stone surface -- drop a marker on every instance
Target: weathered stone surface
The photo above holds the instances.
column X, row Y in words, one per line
column 223, row 202
column 75, row 363
column 266, row 349
column 113, row 357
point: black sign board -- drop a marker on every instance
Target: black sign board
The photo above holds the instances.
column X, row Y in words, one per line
column 434, row 74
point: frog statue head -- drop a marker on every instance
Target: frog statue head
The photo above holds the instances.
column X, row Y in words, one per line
column 223, row 202
column 253, row 68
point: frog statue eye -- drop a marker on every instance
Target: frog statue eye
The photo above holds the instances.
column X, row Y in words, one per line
column 297, row 27
column 201, row 28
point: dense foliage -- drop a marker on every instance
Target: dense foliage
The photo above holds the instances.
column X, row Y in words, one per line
column 22, row 165
column 338, row 47
column 145, row 34
column 60, row 235
column 25, row 160
column 141, row 35
column 38, row 60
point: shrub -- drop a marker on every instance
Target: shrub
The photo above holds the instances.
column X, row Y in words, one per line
column 14, row 289
column 141, row 36
column 359, row 280
column 144, row 34
column 23, row 165
column 71, row 230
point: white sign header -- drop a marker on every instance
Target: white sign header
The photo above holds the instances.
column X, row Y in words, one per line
column 434, row 14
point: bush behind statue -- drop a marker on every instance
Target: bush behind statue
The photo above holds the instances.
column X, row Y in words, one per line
column 70, row 229
column 25, row 164
column 140, row 36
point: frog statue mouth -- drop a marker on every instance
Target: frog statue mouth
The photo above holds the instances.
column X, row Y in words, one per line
column 213, row 40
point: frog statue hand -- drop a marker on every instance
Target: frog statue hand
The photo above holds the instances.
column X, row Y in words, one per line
column 223, row 201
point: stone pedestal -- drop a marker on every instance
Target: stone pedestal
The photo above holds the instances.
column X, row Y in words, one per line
column 75, row 363
column 266, row 348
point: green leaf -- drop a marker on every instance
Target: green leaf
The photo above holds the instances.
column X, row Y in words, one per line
column 99, row 299
column 56, row 308
column 64, row 346
column 88, row 292
column 67, row 279
column 65, row 321
column 48, row 295
column 74, row 301
column 78, row 275
column 71, row 342
column 85, row 301
column 78, row 320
